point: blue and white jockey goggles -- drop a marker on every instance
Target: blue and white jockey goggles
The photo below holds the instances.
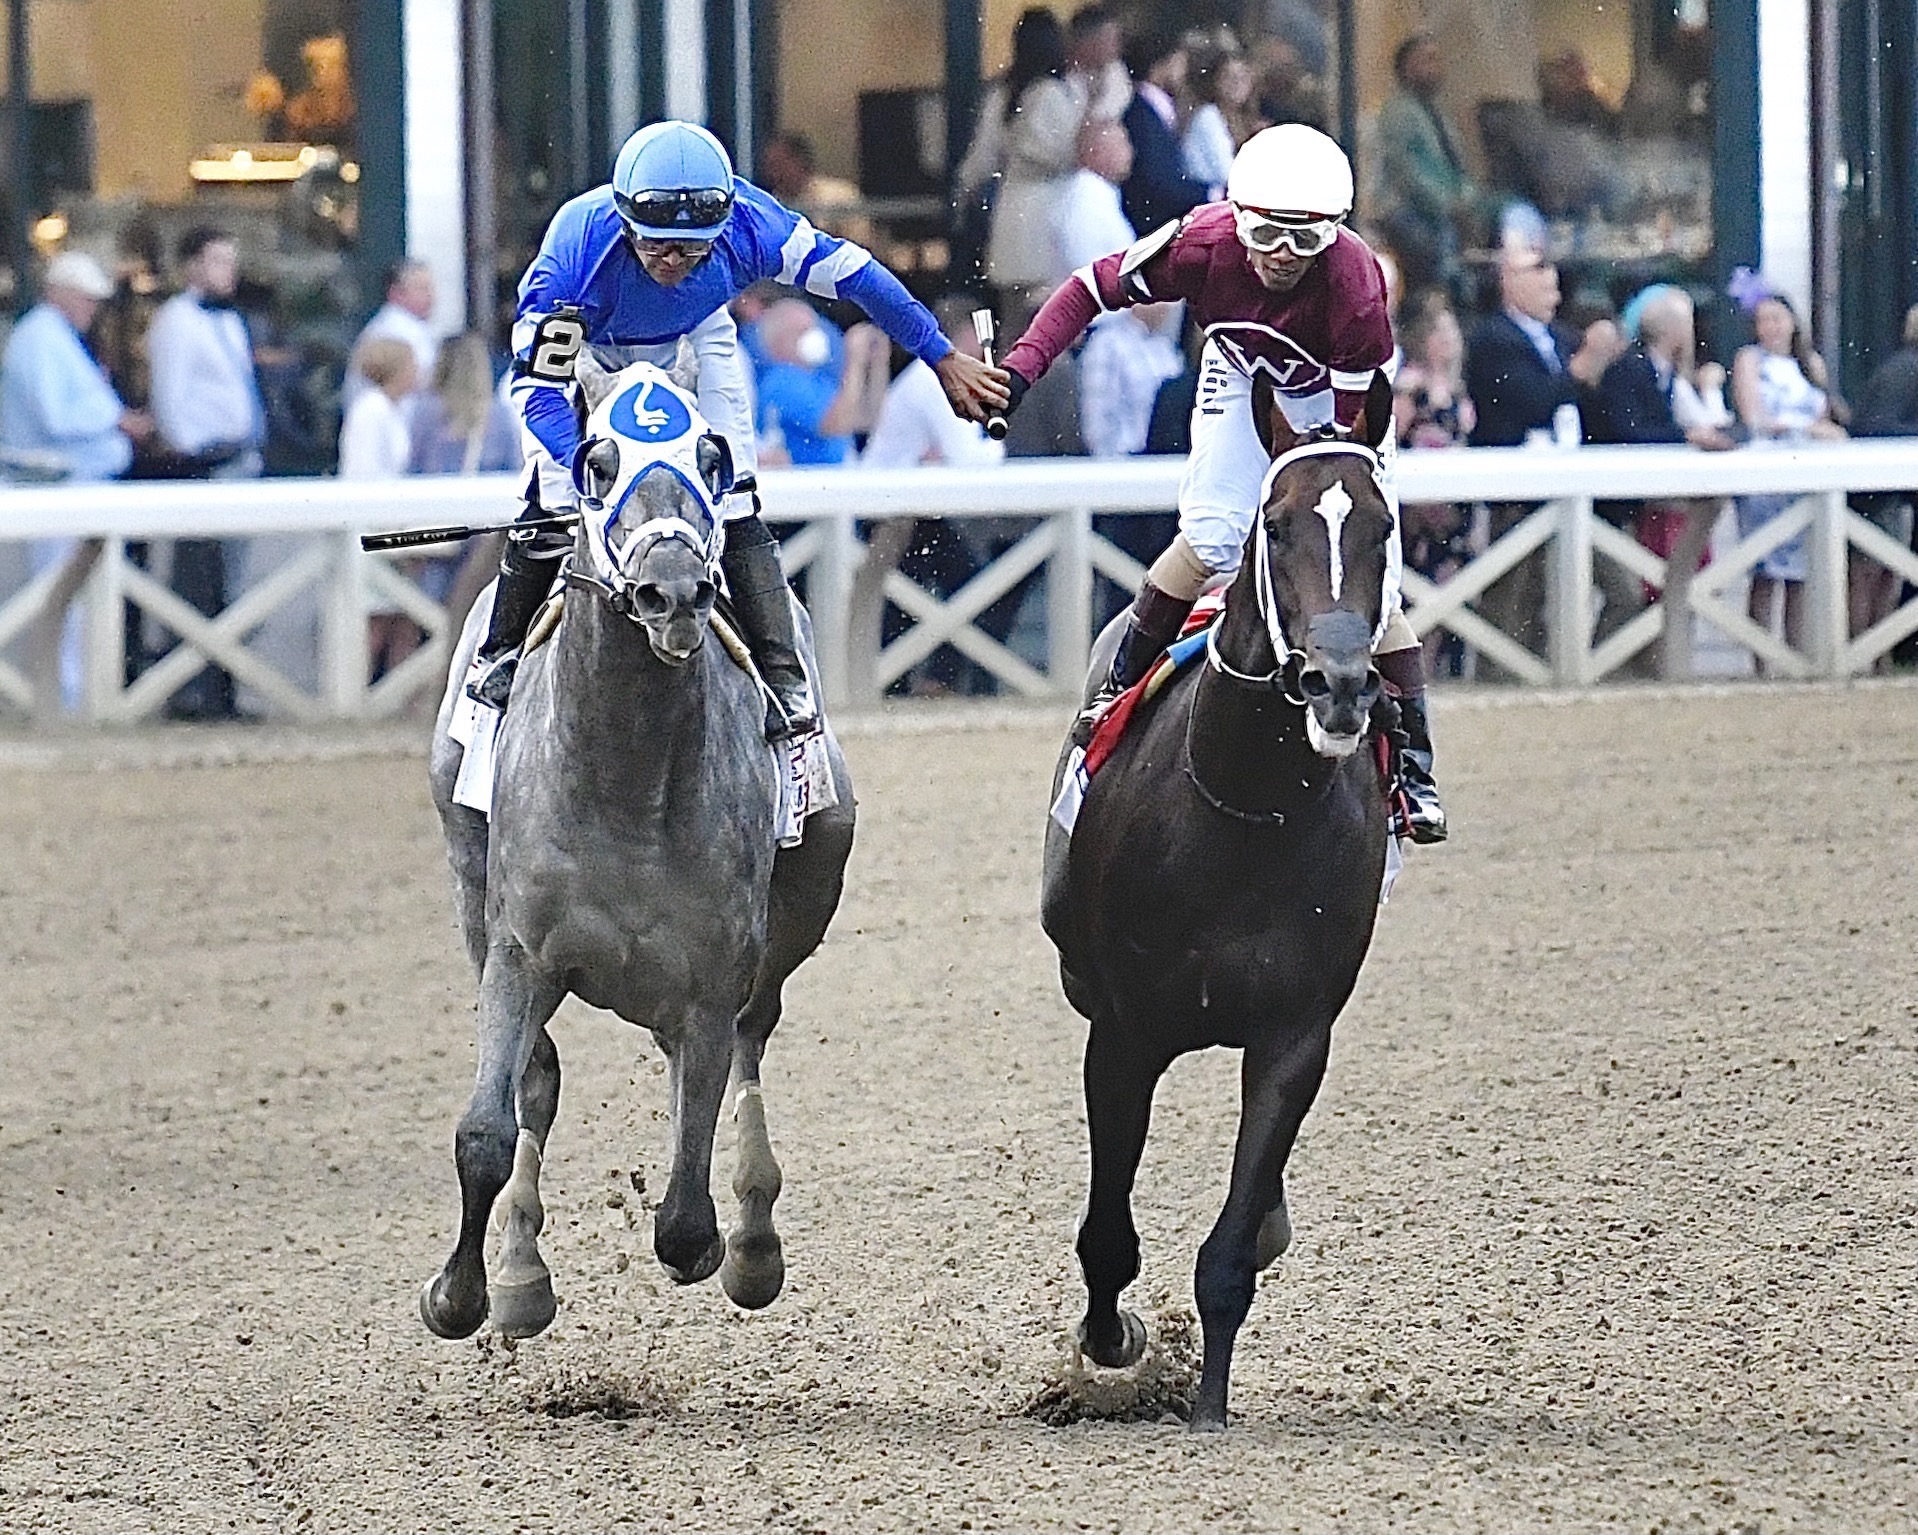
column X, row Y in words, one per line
column 690, row 213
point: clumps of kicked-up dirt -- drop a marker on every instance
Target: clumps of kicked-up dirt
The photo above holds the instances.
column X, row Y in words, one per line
column 576, row 1388
column 1160, row 1387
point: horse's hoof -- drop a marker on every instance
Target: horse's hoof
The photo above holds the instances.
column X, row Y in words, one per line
column 442, row 1318
column 754, row 1272
column 1275, row 1236
column 1208, row 1409
column 1131, row 1348
column 523, row 1306
column 703, row 1268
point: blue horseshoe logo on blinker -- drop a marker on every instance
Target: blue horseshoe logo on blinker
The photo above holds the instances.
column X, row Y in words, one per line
column 647, row 414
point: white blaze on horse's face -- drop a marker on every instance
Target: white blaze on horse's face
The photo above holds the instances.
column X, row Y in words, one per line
column 1335, row 505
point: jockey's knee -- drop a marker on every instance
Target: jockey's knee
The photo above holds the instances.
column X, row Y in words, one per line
column 1182, row 570
column 1399, row 635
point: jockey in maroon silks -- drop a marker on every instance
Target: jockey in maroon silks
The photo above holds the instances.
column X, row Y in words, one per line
column 1280, row 289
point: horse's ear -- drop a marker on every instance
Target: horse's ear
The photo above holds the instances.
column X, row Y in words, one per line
column 1375, row 416
column 1268, row 420
column 715, row 457
column 595, row 467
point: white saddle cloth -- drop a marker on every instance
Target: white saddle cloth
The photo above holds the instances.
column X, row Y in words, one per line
column 802, row 771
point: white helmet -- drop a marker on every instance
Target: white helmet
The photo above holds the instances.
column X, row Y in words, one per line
column 1291, row 169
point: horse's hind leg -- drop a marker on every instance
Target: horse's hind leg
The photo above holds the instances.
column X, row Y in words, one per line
column 1279, row 1082
column 755, row 1266
column 514, row 1005
column 1119, row 1083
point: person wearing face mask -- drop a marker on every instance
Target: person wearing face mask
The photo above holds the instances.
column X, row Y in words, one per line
column 815, row 407
column 1282, row 290
column 627, row 271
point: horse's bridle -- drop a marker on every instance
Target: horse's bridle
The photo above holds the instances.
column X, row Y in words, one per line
column 1285, row 678
column 617, row 592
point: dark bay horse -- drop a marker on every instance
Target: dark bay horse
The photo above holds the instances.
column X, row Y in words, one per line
column 630, row 859
column 1222, row 879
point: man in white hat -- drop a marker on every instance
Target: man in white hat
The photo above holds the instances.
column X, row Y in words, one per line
column 57, row 406
column 55, row 401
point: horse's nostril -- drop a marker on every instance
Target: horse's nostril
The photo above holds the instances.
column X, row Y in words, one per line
column 650, row 600
column 1315, row 685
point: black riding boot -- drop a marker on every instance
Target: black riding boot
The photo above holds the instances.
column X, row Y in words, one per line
column 764, row 605
column 526, row 570
column 1421, row 816
column 1152, row 623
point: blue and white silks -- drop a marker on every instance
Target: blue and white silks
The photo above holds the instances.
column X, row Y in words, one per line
column 586, row 262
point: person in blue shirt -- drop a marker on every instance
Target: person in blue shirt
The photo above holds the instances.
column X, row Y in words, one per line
column 627, row 271
column 808, row 401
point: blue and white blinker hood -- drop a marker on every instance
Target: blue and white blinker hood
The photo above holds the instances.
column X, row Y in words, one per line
column 652, row 427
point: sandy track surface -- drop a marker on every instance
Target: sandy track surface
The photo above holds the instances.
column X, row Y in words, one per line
column 1607, row 1216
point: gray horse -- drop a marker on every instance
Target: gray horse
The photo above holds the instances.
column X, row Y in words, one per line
column 631, row 859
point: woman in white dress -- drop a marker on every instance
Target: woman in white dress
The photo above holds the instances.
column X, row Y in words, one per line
column 1779, row 387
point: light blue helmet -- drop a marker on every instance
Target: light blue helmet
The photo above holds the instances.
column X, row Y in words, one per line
column 673, row 181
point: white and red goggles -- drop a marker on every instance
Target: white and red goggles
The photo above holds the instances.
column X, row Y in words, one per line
column 1304, row 234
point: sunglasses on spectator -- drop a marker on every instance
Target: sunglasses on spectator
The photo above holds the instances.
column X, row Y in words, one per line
column 1303, row 234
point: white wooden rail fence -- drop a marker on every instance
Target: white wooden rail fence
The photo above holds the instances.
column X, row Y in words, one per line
column 828, row 518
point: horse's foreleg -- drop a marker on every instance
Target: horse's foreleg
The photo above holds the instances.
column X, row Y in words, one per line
column 521, row 1292
column 686, row 1236
column 755, row 1267
column 1119, row 1083
column 1278, row 1084
column 514, row 1004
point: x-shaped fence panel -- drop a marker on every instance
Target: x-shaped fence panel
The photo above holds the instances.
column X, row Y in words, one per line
column 823, row 512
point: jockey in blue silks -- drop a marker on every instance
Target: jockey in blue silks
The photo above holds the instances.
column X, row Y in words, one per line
column 628, row 270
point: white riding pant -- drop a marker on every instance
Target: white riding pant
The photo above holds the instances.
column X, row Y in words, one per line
column 1219, row 494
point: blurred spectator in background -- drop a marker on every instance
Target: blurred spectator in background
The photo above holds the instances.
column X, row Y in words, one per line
column 808, row 411
column 1304, row 27
column 58, row 409
column 407, row 315
column 1126, row 356
column 206, row 403
column 788, row 169
column 1094, row 66
column 459, row 424
column 1043, row 114
column 1089, row 220
column 1158, row 190
column 1523, row 375
column 916, row 426
column 1639, row 401
column 56, row 402
column 1887, row 408
column 1424, row 193
column 375, row 444
column 1219, row 92
column 1428, row 398
column 1433, row 411
column 1285, row 90
column 1779, row 388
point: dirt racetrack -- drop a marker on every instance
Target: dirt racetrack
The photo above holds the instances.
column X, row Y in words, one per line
column 1607, row 1216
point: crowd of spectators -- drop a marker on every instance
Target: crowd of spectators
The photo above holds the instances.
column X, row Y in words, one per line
column 1086, row 142
column 98, row 381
